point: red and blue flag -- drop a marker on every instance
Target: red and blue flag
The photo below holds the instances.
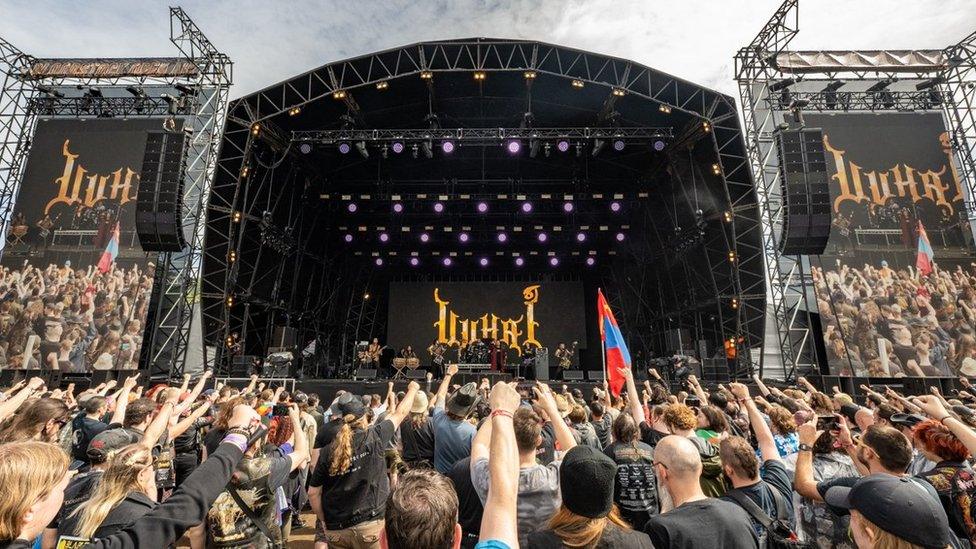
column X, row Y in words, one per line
column 925, row 257
column 111, row 251
column 616, row 353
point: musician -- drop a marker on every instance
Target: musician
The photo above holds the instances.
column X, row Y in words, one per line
column 407, row 352
column 45, row 225
column 528, row 361
column 436, row 351
column 18, row 228
column 564, row 357
column 372, row 352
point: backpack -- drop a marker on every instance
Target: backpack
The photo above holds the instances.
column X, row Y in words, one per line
column 779, row 535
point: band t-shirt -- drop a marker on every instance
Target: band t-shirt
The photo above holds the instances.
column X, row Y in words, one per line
column 83, row 430
column 327, row 434
column 358, row 495
column 635, row 485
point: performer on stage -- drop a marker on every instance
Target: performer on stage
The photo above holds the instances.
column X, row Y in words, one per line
column 372, row 355
column 436, row 351
column 564, row 357
column 407, row 352
column 528, row 361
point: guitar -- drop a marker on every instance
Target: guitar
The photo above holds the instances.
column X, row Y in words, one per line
column 565, row 356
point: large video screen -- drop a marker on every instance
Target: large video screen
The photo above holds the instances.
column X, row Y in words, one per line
column 76, row 285
column 892, row 178
column 538, row 314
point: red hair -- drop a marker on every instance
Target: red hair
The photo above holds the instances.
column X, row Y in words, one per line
column 938, row 440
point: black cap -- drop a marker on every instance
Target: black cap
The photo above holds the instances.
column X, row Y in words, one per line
column 349, row 405
column 897, row 505
column 906, row 420
column 106, row 443
column 586, row 479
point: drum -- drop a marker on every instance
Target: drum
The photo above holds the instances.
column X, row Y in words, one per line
column 413, row 363
column 399, row 362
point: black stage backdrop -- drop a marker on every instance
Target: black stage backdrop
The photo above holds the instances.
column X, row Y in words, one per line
column 542, row 314
column 80, row 182
column 888, row 172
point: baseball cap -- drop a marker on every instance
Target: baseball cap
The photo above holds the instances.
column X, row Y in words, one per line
column 897, row 505
column 106, row 443
column 906, row 420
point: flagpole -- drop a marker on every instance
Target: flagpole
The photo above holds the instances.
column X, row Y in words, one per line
column 603, row 343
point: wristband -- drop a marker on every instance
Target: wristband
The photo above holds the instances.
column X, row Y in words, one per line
column 501, row 412
column 747, row 399
column 942, row 421
column 236, row 439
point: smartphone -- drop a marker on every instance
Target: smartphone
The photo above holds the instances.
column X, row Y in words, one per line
column 279, row 410
column 693, row 402
column 827, row 423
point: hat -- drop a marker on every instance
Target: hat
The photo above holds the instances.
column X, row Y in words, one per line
column 349, row 404
column 334, row 408
column 586, row 479
column 897, row 505
column 463, row 401
column 419, row 403
column 562, row 405
column 906, row 420
column 299, row 398
column 106, row 443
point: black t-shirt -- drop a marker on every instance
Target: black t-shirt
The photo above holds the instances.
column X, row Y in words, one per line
column 78, row 491
column 130, row 509
column 83, row 430
column 470, row 508
column 359, row 494
column 327, row 433
column 773, row 476
column 708, row 522
column 614, row 537
column 635, row 485
column 546, row 452
column 212, row 439
column 649, row 436
column 418, row 442
column 189, row 441
column 46, row 349
column 602, row 427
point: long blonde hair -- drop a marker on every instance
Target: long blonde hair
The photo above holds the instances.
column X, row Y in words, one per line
column 883, row 539
column 581, row 532
column 29, row 471
column 341, row 456
column 119, row 480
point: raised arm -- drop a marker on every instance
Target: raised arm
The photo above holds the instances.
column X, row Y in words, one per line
column 932, row 407
column 481, row 445
column 12, row 404
column 763, row 390
column 564, row 436
column 499, row 519
column 300, row 455
column 122, row 400
column 402, row 409
column 159, row 423
column 441, row 395
column 803, row 481
column 192, row 397
column 764, row 437
column 252, row 385
column 697, row 388
column 633, row 397
column 187, row 422
column 186, row 383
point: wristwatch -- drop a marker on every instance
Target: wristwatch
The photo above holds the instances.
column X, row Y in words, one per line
column 805, row 447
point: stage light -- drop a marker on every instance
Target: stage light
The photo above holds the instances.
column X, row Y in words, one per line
column 255, row 129
column 483, row 261
column 366, row 296
column 728, row 217
column 136, row 91
column 230, row 301
column 361, row 147
column 666, row 109
column 598, row 145
column 930, row 83
column 397, row 147
column 568, row 207
column 305, row 148
column 590, row 261
column 529, row 75
column 734, row 303
column 382, row 85
column 618, row 145
column 716, row 169
column 579, row 148
column 543, row 237
column 237, row 217
column 482, row 207
column 577, row 83
column 348, row 238
column 620, row 237
column 232, row 256
column 294, row 111
column 519, row 262
column 245, row 170
column 344, row 148
column 526, row 207
column 731, row 255
column 379, row 263
column 438, row 207
column 513, row 146
column 414, row 262
column 426, row 75
column 384, row 237
column 424, row 237
column 397, row 207
column 447, row 147
column 554, row 261
column 502, row 237
column 479, row 75
column 706, row 127
column 533, row 148
column 659, row 145
column 562, row 145
column 447, row 262
column 547, row 149
column 339, row 94
column 781, row 85
column 581, row 237
column 463, row 237
column 414, row 149
column 352, row 207
column 617, row 92
column 428, row 149
column 615, row 207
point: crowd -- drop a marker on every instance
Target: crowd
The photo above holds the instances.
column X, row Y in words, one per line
column 73, row 319
column 513, row 465
column 884, row 322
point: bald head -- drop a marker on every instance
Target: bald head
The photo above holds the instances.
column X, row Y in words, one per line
column 679, row 456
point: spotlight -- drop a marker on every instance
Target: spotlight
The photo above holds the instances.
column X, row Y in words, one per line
column 480, row 75
column 339, row 94
column 382, row 85
column 482, row 207
column 344, row 148
column 502, row 237
column 463, row 237
column 447, row 261
column 136, row 91
column 397, row 147
column 438, row 207
column 513, row 146
column 581, row 237
column 384, row 237
column 716, row 169
column 237, row 217
column 305, row 148
column 666, row 109
column 414, row 149
column 618, row 145
column 562, row 145
column 590, row 261
column 426, row 75
column 379, row 263
column 519, row 262
column 554, row 261
column 598, row 145
column 348, row 238
column 447, row 147
column 428, row 149
column 615, row 207
column 659, row 145
column 728, row 217
column 567, row 207
column 579, row 149
column 397, row 207
column 577, row 83
column 414, row 261
column 930, row 83
column 731, row 255
column 547, row 149
column 706, row 126
column 483, row 261
column 529, row 75
column 617, row 92
column 424, row 237
column 352, row 207
column 620, row 237
column 543, row 237
column 782, row 84
column 526, row 207
column 533, row 148
column 361, row 147
column 294, row 111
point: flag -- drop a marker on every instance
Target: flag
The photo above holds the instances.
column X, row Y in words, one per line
column 925, row 257
column 111, row 251
column 615, row 350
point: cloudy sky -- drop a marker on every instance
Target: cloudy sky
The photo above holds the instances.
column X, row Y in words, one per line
column 272, row 40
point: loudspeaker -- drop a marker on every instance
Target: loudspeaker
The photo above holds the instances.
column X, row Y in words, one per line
column 596, row 375
column 159, row 202
column 572, row 375
column 542, row 365
column 240, row 365
column 284, row 336
column 416, row 374
column 805, row 190
column 364, row 373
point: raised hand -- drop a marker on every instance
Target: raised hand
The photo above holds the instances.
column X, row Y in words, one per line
column 504, row 397
column 807, row 432
column 452, row 370
column 739, row 391
column 931, row 406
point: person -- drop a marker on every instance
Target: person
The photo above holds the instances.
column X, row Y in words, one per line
column 952, row 477
column 349, row 485
column 538, row 485
column 499, row 522
column 470, row 508
column 635, row 486
column 696, row 520
column 85, row 426
column 42, row 420
column 452, row 433
column 422, row 513
column 583, row 430
column 682, row 420
column 588, row 516
column 417, row 435
column 601, row 423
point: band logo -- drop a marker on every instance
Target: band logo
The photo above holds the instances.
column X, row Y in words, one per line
column 77, row 186
column 877, row 187
column 516, row 332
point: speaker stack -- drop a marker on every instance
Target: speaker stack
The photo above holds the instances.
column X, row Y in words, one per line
column 160, row 197
column 805, row 189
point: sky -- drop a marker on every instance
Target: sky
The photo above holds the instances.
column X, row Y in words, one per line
column 273, row 40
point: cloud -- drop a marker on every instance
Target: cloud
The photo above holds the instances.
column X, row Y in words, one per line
column 272, row 41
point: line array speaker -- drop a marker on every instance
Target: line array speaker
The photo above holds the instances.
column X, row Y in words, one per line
column 159, row 202
column 805, row 189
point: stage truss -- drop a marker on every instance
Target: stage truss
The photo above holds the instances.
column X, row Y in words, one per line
column 32, row 88
column 946, row 81
column 252, row 119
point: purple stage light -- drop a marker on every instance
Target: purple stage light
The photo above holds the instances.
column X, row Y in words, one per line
column 463, row 237
column 581, row 237
column 615, row 206
column 379, row 261
column 447, row 147
column 519, row 262
column 397, row 207
column 543, row 237
column 590, row 261
column 384, row 237
column 424, row 237
column 344, row 148
column 447, row 261
column 397, row 147
column 554, row 261
column 483, row 262
column 414, row 261
column 482, row 207
column 618, row 145
column 513, row 146
column 562, row 145
column 348, row 238
column 620, row 237
column 659, row 145
column 352, row 207
column 567, row 207
column 526, row 207
column 502, row 237
column 438, row 207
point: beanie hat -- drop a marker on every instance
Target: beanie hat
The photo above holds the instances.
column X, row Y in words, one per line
column 586, row 479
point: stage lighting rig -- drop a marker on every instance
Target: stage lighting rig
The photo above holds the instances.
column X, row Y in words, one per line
column 49, row 91
column 361, row 147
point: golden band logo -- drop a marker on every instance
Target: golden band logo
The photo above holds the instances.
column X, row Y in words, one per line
column 516, row 332
column 876, row 187
column 77, row 186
